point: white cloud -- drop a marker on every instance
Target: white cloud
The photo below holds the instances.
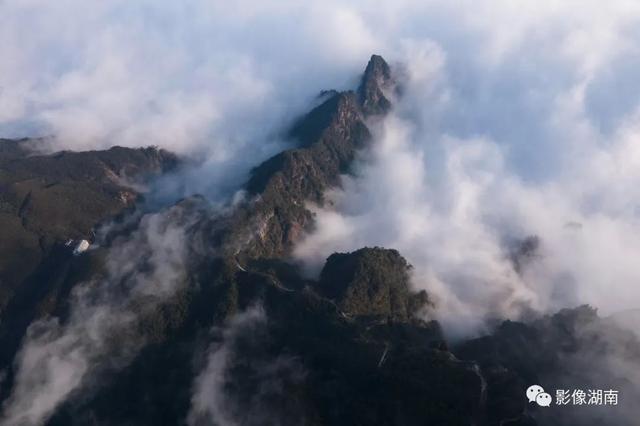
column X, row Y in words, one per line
column 519, row 117
column 452, row 201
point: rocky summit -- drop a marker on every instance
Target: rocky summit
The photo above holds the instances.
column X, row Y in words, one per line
column 195, row 314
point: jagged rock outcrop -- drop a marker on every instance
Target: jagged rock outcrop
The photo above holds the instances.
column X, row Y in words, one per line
column 328, row 139
column 277, row 216
column 371, row 282
column 377, row 81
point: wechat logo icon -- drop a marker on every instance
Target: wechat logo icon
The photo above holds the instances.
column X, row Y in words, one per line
column 536, row 393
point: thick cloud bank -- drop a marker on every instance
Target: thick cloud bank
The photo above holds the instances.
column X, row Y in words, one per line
column 517, row 119
column 194, row 76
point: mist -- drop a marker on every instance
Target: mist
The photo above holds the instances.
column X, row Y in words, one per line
column 107, row 323
column 455, row 203
column 513, row 120
column 239, row 360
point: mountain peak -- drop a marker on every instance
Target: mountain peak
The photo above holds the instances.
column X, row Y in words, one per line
column 375, row 81
column 371, row 281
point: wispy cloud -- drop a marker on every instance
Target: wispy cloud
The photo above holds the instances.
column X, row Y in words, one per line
column 58, row 358
column 243, row 382
column 518, row 118
column 464, row 168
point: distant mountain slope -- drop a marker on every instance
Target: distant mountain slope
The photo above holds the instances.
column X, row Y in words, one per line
column 49, row 199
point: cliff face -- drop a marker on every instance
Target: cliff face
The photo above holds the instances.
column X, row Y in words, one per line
column 277, row 215
column 375, row 86
column 328, row 138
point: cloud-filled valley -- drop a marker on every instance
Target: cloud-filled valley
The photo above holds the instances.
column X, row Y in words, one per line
column 510, row 124
column 524, row 119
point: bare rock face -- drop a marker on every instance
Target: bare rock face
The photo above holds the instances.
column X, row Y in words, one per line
column 328, row 139
column 371, row 282
column 376, row 81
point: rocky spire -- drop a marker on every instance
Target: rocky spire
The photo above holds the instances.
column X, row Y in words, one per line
column 328, row 138
column 375, row 82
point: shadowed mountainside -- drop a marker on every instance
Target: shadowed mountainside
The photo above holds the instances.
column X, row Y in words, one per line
column 223, row 330
column 50, row 199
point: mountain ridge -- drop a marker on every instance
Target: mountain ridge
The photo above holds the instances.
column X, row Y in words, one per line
column 192, row 290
